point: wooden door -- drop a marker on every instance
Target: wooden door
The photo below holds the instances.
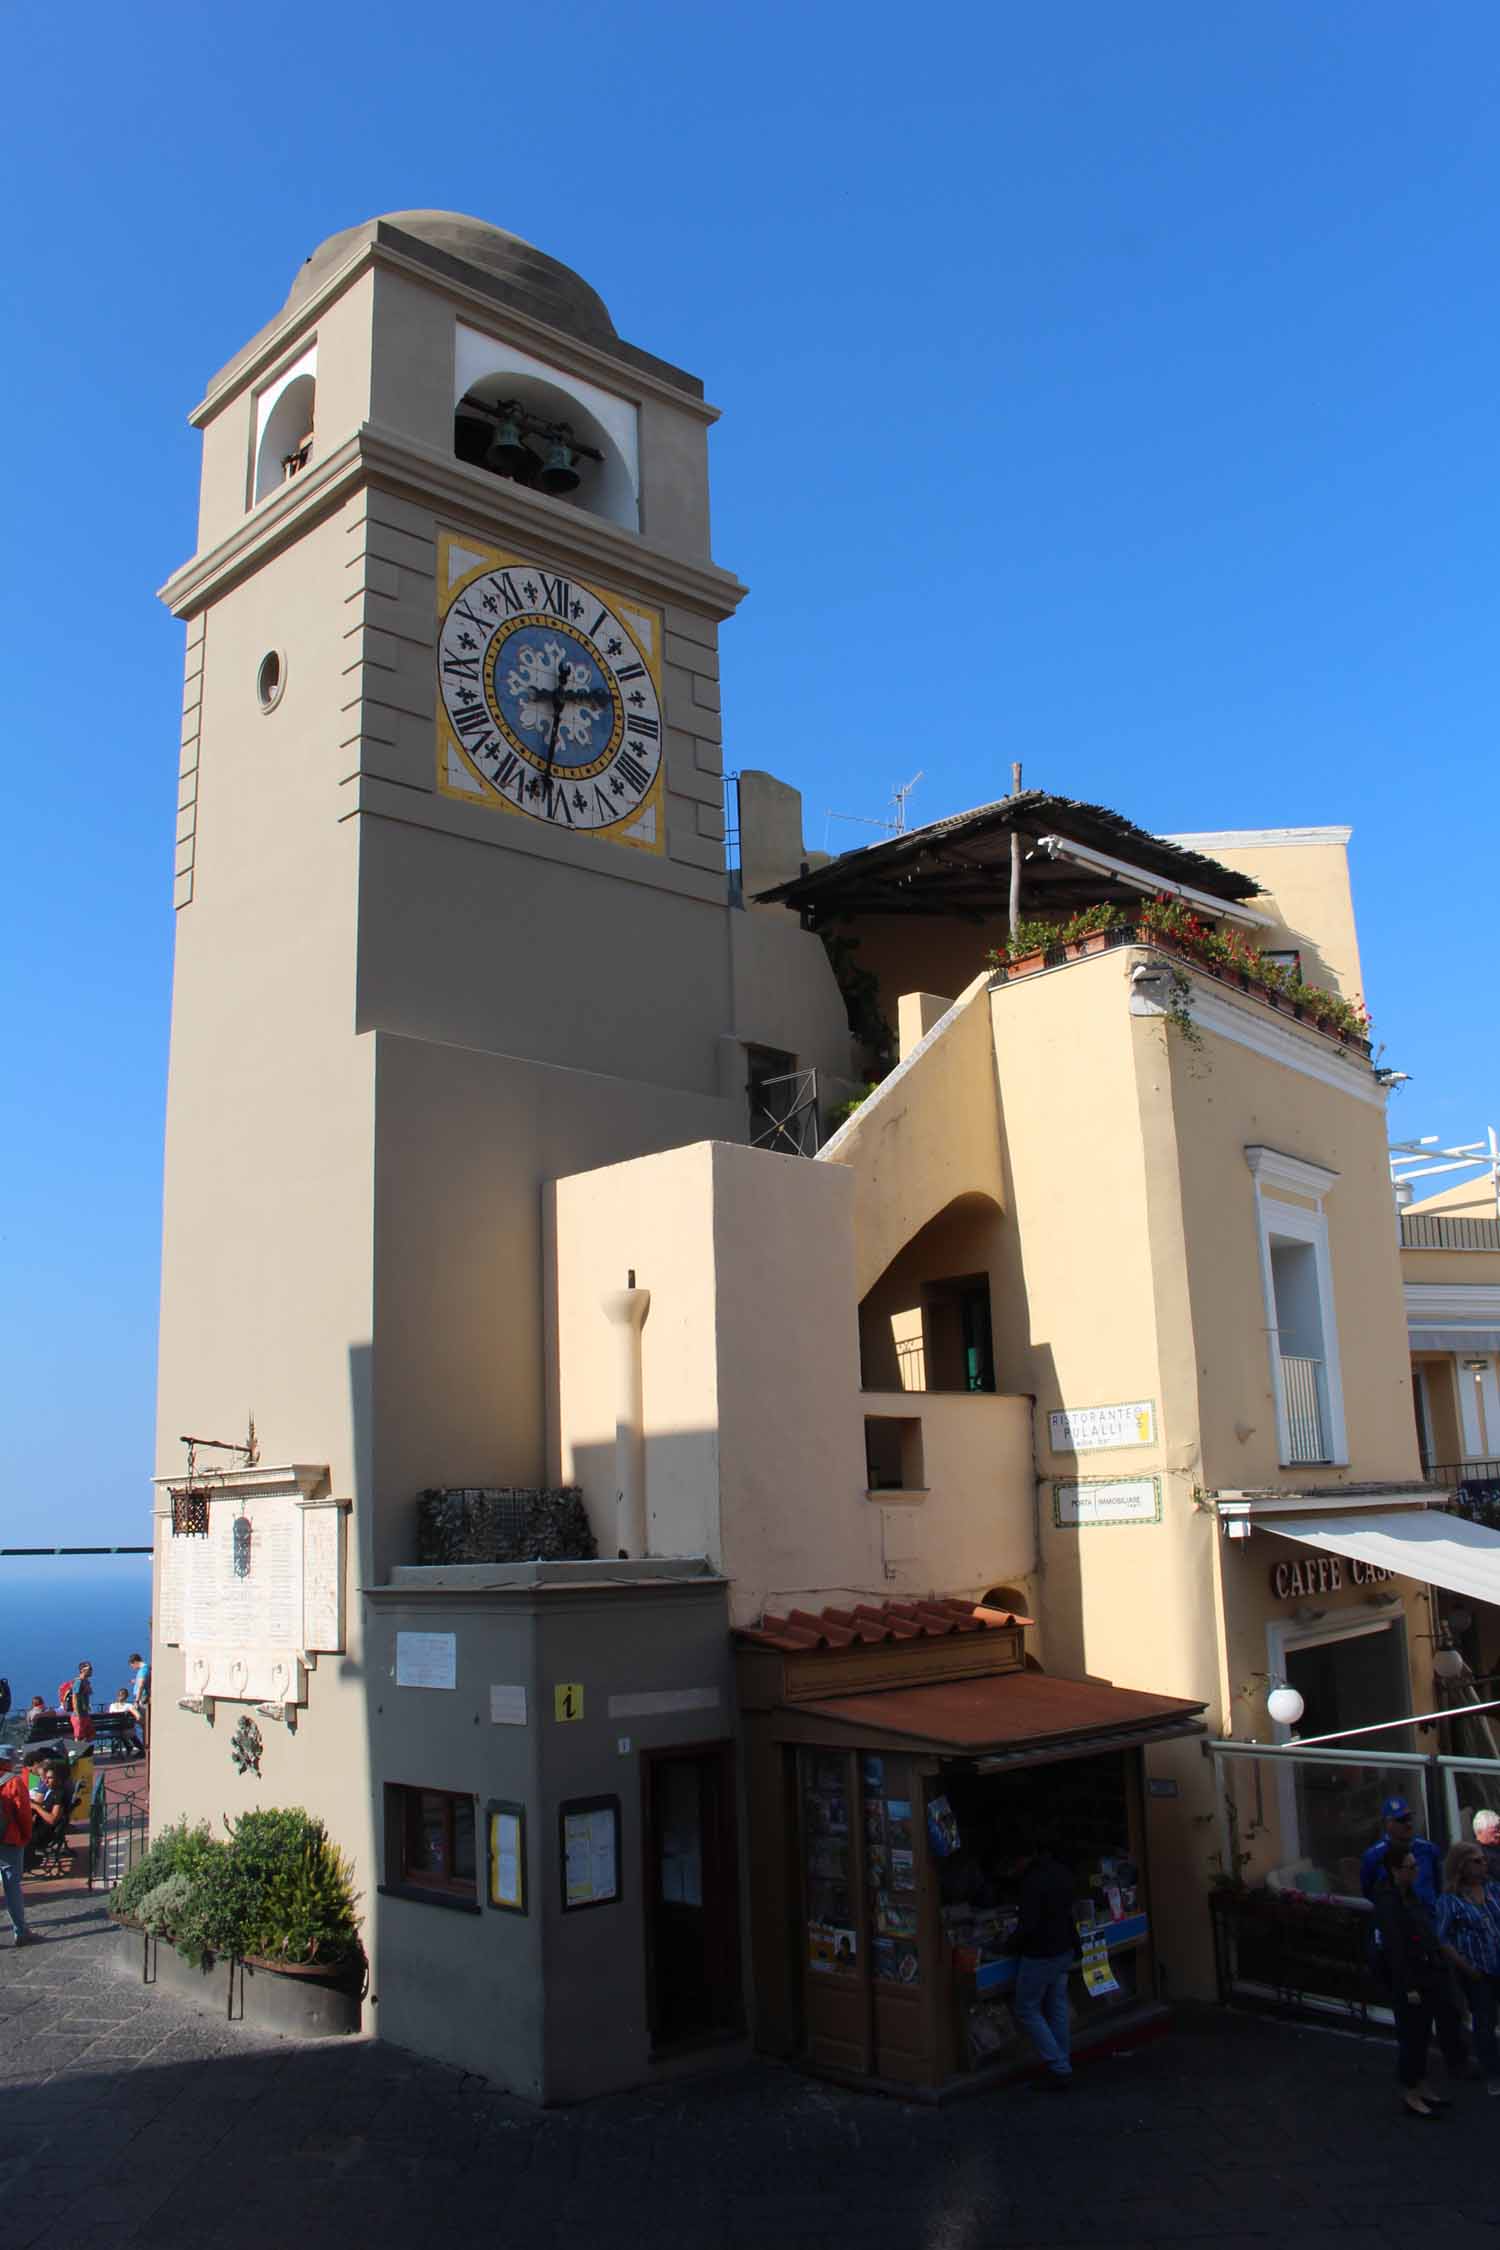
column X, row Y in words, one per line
column 692, row 1894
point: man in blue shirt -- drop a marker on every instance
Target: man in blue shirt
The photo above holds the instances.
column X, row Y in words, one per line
column 1397, row 1826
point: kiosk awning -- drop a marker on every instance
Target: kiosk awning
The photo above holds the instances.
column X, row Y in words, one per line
column 1014, row 1717
column 1425, row 1543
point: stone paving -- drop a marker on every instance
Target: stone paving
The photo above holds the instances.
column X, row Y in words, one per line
column 126, row 2119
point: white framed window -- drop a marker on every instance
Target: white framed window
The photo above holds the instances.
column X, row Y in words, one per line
column 1297, row 1290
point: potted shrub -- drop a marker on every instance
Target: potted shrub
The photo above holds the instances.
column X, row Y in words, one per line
column 1090, row 930
column 1026, row 950
column 275, row 1899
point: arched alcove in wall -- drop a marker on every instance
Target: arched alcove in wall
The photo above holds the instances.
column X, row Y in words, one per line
column 606, row 487
column 286, row 428
column 926, row 1323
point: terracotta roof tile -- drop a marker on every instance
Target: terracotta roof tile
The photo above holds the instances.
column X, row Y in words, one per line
column 868, row 1622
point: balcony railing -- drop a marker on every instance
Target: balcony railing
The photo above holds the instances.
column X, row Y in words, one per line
column 1475, row 1486
column 1419, row 1232
column 1301, row 1390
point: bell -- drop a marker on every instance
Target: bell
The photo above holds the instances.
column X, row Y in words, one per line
column 557, row 473
column 507, row 455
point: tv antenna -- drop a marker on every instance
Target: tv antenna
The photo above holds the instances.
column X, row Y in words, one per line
column 896, row 826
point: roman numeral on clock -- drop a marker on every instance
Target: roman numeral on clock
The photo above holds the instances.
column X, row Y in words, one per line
column 461, row 667
column 556, row 595
column 630, row 672
column 632, row 771
column 511, row 775
column 651, row 728
column 470, row 724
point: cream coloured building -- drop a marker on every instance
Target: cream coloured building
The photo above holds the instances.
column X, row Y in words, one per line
column 1023, row 1398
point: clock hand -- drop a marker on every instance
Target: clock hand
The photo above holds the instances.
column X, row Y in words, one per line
column 558, row 695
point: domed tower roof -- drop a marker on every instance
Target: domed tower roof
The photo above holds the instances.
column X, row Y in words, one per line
column 506, row 266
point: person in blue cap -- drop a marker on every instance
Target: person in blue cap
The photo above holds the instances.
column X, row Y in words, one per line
column 1398, row 1826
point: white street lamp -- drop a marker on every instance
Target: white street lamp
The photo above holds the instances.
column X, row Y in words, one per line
column 1285, row 1706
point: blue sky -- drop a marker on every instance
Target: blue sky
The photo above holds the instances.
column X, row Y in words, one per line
column 1112, row 388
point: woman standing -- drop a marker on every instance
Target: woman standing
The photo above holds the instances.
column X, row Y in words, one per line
column 1468, row 1922
column 1421, row 1987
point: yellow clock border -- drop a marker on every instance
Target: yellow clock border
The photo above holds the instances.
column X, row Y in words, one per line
column 448, row 591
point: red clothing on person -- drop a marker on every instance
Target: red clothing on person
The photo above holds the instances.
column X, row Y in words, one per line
column 16, row 1818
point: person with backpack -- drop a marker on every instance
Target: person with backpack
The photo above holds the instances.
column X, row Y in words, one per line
column 76, row 1697
column 15, row 1835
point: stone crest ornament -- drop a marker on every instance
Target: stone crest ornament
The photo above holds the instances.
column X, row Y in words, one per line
column 245, row 1747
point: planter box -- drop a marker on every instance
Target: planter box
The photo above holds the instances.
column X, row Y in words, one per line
column 300, row 2004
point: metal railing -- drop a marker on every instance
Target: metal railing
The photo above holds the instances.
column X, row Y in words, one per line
column 1456, row 1474
column 789, row 1122
column 1422, row 1233
column 118, row 1828
column 1301, row 1391
column 1475, row 1486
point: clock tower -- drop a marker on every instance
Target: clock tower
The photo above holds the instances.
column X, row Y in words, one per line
column 452, row 912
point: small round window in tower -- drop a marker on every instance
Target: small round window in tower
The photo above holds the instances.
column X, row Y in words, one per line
column 270, row 679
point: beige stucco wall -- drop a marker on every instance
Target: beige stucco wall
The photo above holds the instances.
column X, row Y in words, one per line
column 750, row 1375
column 1466, row 1199
column 921, row 953
column 341, row 332
column 1305, row 889
column 784, row 994
column 1452, row 1268
column 966, row 1239
column 754, row 1416
column 465, row 1142
column 267, row 1258
column 1225, row 1099
column 928, row 1134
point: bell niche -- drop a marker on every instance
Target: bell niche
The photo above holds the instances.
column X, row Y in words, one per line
column 553, row 432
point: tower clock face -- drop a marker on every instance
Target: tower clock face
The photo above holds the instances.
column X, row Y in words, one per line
column 549, row 696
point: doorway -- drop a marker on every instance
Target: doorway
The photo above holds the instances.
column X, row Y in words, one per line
column 1348, row 1676
column 693, row 1986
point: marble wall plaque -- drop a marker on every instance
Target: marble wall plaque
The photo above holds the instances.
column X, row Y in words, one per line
column 291, row 1595
column 245, row 1675
column 322, row 1576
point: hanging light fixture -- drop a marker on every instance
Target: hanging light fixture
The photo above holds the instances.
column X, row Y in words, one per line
column 557, row 474
column 1448, row 1664
column 1285, row 1705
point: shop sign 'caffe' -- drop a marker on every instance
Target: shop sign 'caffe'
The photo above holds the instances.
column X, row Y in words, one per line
column 1323, row 1574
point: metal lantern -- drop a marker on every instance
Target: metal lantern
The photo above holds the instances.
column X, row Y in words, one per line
column 1285, row 1705
column 243, row 1536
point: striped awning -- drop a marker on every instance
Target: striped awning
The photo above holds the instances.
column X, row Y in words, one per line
column 1422, row 1543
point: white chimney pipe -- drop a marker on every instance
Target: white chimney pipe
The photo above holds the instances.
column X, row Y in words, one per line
column 626, row 1310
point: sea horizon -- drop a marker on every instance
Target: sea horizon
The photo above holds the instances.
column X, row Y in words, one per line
column 55, row 1609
